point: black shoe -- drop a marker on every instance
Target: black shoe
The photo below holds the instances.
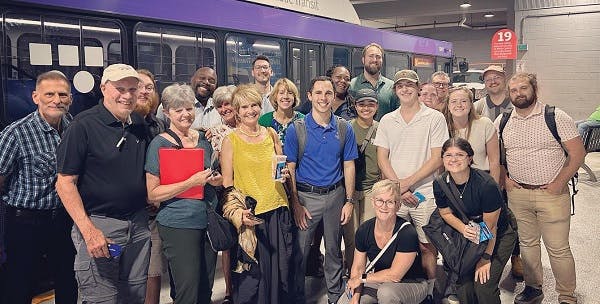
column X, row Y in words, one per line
column 529, row 295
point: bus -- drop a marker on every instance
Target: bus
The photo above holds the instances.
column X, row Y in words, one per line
column 174, row 38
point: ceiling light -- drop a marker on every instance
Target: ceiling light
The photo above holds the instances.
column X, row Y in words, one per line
column 466, row 4
column 489, row 15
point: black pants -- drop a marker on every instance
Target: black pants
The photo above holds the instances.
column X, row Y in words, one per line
column 29, row 235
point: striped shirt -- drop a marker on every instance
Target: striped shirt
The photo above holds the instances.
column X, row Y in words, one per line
column 28, row 161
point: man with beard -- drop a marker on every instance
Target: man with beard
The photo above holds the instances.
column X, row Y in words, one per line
column 371, row 78
column 262, row 73
column 36, row 222
column 413, row 158
column 204, row 83
column 441, row 81
column 496, row 101
column 537, row 187
column 429, row 97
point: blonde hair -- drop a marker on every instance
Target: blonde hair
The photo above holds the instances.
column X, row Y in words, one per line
column 472, row 115
column 290, row 86
column 245, row 92
column 384, row 186
column 222, row 94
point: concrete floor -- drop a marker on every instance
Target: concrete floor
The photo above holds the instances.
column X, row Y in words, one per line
column 585, row 244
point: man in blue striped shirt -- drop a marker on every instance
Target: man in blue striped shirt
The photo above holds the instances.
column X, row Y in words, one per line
column 36, row 222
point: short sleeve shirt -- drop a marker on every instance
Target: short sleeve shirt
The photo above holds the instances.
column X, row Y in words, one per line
column 321, row 164
column 407, row 241
column 181, row 212
column 482, row 195
column 533, row 155
column 367, row 169
column 386, row 96
column 28, row 161
column 481, row 132
column 111, row 179
column 410, row 143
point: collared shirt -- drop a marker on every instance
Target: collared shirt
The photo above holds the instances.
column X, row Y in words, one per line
column 410, row 143
column 266, row 103
column 533, row 155
column 28, row 161
column 110, row 169
column 205, row 116
column 388, row 101
column 485, row 107
column 322, row 161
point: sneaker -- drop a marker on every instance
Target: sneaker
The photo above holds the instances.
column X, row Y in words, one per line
column 451, row 299
column 529, row 295
column 517, row 267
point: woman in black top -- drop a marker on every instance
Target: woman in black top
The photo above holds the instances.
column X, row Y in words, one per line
column 483, row 202
column 398, row 276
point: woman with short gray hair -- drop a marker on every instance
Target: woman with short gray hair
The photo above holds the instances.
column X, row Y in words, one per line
column 182, row 221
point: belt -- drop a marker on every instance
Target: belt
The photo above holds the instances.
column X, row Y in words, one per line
column 529, row 187
column 34, row 213
column 302, row 187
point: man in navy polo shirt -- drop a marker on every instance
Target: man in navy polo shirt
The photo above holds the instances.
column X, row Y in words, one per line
column 322, row 183
column 101, row 183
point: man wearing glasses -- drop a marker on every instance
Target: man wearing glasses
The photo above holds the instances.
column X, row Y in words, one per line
column 413, row 158
column 371, row 78
column 36, row 222
column 262, row 73
column 441, row 81
column 496, row 101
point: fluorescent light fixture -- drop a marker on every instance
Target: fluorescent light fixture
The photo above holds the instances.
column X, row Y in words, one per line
column 63, row 25
column 489, row 15
column 174, row 37
column 265, row 46
column 465, row 4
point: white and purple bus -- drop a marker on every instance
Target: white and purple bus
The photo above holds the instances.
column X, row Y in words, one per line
column 173, row 38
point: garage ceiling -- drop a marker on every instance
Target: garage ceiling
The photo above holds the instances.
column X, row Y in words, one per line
column 407, row 15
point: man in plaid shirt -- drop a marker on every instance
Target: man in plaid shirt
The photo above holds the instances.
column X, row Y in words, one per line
column 36, row 222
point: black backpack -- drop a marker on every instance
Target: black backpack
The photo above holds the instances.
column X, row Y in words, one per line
column 550, row 118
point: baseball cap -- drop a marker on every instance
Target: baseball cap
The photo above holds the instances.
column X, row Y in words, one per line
column 495, row 68
column 118, row 71
column 409, row 75
column 365, row 94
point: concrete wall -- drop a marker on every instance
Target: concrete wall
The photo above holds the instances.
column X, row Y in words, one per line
column 472, row 44
column 564, row 51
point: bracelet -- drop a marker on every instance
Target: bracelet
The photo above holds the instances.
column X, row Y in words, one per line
column 486, row 256
column 350, row 200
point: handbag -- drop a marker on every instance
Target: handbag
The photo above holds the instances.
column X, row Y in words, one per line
column 460, row 254
column 345, row 297
column 221, row 233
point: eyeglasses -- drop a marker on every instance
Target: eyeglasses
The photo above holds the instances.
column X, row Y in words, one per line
column 379, row 202
column 262, row 67
column 493, row 79
column 148, row 88
column 441, row 84
column 459, row 156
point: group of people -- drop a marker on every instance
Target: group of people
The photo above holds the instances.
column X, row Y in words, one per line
column 366, row 160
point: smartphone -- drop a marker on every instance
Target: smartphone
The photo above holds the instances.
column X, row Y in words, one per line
column 115, row 250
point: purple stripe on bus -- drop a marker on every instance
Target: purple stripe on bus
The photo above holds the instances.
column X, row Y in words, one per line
column 245, row 16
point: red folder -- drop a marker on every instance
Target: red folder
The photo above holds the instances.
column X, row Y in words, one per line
column 177, row 165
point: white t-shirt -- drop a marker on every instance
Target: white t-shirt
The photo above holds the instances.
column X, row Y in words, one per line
column 206, row 117
column 410, row 143
column 482, row 131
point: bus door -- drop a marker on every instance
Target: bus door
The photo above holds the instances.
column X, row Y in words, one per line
column 304, row 64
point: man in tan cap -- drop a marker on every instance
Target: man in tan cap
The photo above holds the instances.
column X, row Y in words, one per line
column 101, row 182
column 496, row 101
column 412, row 159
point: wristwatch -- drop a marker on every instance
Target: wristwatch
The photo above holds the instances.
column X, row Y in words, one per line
column 486, row 256
column 363, row 278
column 350, row 200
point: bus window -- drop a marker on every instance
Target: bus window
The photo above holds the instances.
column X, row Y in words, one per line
column 154, row 51
column 444, row 64
column 424, row 66
column 114, row 52
column 243, row 49
column 357, row 65
column 395, row 62
column 43, row 43
column 188, row 58
column 336, row 55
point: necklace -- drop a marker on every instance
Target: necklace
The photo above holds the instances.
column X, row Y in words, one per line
column 257, row 134
column 463, row 190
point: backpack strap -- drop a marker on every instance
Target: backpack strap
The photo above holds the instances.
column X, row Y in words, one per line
column 390, row 241
column 176, row 138
column 300, row 126
column 550, row 118
column 503, row 122
column 342, row 130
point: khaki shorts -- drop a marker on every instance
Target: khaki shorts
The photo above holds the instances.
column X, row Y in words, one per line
column 158, row 262
column 419, row 216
